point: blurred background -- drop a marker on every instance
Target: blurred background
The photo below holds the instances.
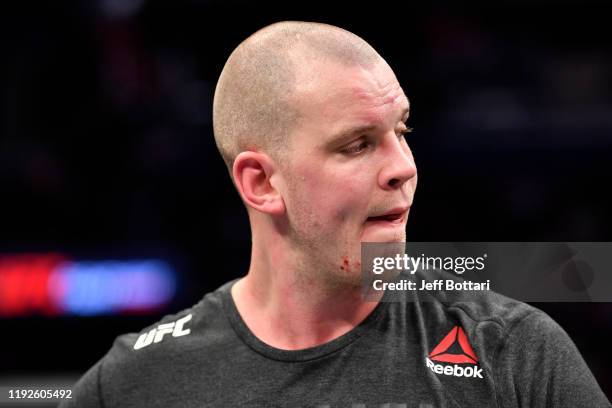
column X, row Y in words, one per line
column 115, row 207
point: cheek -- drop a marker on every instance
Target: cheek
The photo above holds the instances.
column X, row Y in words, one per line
column 334, row 195
column 347, row 198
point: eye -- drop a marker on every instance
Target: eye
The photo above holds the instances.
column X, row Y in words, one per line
column 356, row 147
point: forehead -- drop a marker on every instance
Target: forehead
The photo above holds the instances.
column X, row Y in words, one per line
column 335, row 96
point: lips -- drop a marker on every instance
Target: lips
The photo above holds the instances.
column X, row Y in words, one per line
column 389, row 217
column 394, row 215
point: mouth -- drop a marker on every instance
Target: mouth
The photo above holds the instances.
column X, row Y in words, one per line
column 393, row 216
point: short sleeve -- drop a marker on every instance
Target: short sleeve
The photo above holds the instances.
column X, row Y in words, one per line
column 539, row 366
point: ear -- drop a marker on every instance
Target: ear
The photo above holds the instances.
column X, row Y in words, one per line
column 252, row 172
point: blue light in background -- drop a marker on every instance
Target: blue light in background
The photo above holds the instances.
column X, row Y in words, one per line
column 108, row 287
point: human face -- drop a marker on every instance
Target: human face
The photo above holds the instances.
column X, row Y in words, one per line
column 348, row 163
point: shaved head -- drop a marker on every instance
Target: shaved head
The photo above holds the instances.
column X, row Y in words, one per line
column 255, row 105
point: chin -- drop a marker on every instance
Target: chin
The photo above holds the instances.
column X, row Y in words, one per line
column 353, row 279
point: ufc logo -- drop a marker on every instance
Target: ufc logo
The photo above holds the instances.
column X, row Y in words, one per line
column 156, row 335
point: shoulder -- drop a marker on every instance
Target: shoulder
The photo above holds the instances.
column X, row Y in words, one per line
column 174, row 333
column 490, row 320
column 140, row 363
column 530, row 358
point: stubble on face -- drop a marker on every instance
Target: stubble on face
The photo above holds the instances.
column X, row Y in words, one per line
column 326, row 234
column 322, row 255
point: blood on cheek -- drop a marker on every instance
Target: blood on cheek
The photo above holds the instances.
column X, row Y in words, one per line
column 345, row 264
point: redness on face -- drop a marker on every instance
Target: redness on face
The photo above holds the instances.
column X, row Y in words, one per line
column 345, row 263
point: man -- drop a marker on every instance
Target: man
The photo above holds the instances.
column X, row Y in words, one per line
column 310, row 121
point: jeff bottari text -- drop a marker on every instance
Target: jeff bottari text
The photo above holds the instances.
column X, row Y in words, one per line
column 438, row 284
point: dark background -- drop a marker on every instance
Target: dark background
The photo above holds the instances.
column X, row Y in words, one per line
column 106, row 146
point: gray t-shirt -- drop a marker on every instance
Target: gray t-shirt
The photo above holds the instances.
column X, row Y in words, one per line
column 466, row 350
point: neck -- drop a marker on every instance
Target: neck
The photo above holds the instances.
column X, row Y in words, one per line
column 288, row 306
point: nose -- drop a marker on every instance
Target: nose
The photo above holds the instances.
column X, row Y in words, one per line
column 398, row 165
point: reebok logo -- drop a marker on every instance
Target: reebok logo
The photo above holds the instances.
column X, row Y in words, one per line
column 439, row 353
column 454, row 370
column 156, row 335
column 467, row 356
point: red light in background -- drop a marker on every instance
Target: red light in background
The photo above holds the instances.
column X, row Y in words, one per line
column 24, row 284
